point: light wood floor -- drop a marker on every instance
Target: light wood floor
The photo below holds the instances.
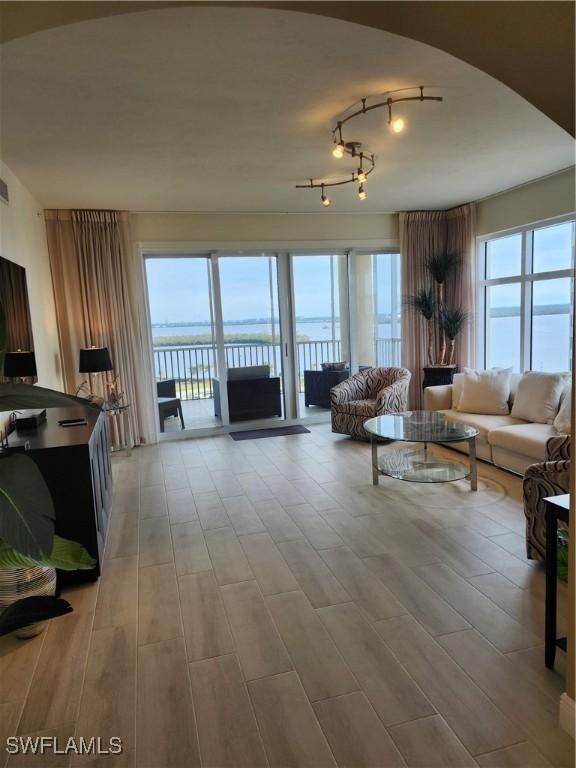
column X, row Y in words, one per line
column 263, row 604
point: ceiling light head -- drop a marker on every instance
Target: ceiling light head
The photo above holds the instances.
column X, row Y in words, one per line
column 362, row 194
column 397, row 125
column 325, row 200
column 339, row 150
column 360, row 176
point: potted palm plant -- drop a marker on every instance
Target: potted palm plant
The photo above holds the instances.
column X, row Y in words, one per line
column 30, row 552
column 443, row 322
column 451, row 320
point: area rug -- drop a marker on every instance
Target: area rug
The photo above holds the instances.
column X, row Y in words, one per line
column 254, row 434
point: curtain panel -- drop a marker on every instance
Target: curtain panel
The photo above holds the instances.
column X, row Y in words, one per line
column 95, row 288
column 422, row 234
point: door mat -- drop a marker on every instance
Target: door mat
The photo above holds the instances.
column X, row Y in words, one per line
column 254, row 434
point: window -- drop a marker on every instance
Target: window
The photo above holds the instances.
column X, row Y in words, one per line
column 526, row 295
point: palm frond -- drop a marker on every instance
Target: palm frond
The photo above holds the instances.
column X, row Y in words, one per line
column 422, row 301
column 452, row 320
column 442, row 265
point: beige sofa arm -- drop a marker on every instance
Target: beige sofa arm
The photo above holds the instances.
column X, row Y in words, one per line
column 438, row 398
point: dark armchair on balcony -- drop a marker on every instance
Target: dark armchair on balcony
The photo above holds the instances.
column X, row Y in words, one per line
column 168, row 402
column 252, row 394
column 371, row 392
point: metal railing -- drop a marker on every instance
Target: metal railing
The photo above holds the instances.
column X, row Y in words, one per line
column 193, row 367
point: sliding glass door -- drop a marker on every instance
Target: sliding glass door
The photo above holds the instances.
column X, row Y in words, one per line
column 252, row 336
column 320, row 301
column 216, row 340
column 245, row 340
column 185, row 360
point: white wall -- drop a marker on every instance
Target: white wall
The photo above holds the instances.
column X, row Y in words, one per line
column 266, row 230
column 23, row 240
column 541, row 199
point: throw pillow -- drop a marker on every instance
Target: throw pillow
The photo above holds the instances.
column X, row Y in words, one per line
column 485, row 392
column 538, row 396
column 563, row 420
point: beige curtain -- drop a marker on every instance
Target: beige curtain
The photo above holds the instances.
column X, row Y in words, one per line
column 95, row 287
column 423, row 233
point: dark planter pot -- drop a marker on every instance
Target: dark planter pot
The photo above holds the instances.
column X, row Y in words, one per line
column 436, row 375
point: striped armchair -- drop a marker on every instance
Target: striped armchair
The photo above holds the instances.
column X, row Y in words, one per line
column 372, row 392
column 548, row 478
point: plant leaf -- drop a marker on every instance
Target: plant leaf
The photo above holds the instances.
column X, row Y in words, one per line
column 66, row 555
column 29, row 610
column 26, row 508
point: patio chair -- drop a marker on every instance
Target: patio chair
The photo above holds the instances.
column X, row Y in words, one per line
column 369, row 393
column 168, row 403
column 252, row 394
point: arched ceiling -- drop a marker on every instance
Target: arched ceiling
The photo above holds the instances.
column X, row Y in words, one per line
column 526, row 44
column 227, row 108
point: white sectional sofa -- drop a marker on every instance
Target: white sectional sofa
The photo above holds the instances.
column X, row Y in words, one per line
column 504, row 441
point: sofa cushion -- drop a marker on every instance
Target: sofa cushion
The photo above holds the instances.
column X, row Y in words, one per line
column 249, row 372
column 523, row 439
column 485, row 392
column 365, row 408
column 538, row 396
column 457, row 388
column 483, row 422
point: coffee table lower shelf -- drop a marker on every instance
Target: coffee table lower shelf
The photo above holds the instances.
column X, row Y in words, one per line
column 419, row 466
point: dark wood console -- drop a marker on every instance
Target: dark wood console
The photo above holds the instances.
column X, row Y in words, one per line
column 75, row 463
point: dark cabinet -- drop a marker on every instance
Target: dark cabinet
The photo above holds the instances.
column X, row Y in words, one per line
column 75, row 463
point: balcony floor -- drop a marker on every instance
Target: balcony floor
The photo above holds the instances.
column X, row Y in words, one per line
column 199, row 414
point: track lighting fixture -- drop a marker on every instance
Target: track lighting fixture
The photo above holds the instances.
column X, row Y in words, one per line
column 338, row 150
column 352, row 148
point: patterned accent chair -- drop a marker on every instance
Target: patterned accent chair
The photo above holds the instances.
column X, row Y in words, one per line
column 548, row 478
column 372, row 392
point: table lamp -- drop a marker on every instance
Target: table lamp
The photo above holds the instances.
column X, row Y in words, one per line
column 19, row 365
column 93, row 360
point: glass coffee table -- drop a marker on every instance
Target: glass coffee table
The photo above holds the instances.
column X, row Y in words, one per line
column 418, row 466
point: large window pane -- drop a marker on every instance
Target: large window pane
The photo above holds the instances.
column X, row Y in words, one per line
column 387, row 304
column 551, row 324
column 504, row 257
column 319, row 305
column 249, row 291
column 503, row 326
column 376, row 305
column 184, row 350
column 553, row 247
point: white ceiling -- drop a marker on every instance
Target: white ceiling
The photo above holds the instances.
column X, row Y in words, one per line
column 226, row 109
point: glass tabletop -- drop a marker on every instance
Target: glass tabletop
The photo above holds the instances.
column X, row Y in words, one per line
column 419, row 427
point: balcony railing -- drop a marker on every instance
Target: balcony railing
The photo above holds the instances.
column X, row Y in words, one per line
column 193, row 367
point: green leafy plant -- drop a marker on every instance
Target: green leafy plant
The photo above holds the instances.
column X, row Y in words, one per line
column 424, row 302
column 440, row 266
column 27, row 538
column 452, row 320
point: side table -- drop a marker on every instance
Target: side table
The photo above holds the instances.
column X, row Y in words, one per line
column 557, row 508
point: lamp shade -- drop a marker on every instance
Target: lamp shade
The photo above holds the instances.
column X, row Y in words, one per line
column 19, row 364
column 95, row 360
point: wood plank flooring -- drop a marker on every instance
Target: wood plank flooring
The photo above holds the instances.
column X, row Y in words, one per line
column 262, row 604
